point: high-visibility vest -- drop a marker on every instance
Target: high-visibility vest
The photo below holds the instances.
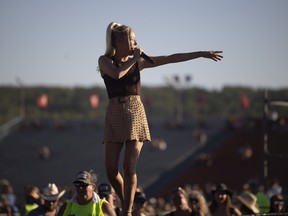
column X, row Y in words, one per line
column 30, row 207
column 91, row 209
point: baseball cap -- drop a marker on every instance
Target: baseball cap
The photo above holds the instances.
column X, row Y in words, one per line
column 140, row 197
column 105, row 188
column 88, row 177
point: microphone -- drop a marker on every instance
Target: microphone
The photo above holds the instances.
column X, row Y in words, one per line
column 147, row 58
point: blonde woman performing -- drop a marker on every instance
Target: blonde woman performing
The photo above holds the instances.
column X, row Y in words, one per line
column 125, row 122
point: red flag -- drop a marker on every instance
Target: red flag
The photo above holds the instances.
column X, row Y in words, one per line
column 201, row 99
column 94, row 101
column 42, row 101
column 244, row 101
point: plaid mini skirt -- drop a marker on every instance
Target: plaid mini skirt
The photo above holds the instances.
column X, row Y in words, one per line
column 126, row 120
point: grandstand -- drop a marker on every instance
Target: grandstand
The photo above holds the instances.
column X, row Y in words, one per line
column 77, row 145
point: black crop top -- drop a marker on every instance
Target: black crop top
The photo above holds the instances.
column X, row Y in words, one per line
column 130, row 84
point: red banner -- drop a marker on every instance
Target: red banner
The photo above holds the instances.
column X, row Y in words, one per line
column 244, row 102
column 42, row 101
column 94, row 101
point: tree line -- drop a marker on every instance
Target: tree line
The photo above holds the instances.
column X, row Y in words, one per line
column 160, row 102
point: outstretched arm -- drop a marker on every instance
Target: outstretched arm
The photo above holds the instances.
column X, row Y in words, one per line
column 180, row 57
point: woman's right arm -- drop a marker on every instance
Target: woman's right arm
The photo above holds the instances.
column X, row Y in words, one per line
column 107, row 67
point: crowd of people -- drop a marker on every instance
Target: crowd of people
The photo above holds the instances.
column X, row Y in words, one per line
column 87, row 197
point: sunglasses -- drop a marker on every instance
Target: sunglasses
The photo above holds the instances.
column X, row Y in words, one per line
column 193, row 200
column 81, row 184
column 279, row 203
column 220, row 193
column 50, row 201
column 140, row 200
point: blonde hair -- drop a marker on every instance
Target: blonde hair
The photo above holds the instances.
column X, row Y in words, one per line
column 203, row 206
column 114, row 30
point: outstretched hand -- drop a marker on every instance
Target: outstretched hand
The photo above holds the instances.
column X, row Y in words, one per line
column 214, row 55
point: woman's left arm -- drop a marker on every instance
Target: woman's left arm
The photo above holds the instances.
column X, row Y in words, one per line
column 180, row 57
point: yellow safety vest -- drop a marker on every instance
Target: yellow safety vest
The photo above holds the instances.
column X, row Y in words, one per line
column 91, row 209
column 30, row 207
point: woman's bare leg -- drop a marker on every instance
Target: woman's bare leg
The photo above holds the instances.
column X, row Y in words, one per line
column 112, row 155
column 132, row 152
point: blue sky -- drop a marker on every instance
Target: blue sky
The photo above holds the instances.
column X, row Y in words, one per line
column 58, row 42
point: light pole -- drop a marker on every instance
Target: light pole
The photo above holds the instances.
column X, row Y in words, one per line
column 22, row 97
column 265, row 137
column 179, row 84
column 267, row 102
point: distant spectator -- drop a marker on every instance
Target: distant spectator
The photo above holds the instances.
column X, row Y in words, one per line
column 159, row 144
column 248, row 203
column 275, row 188
column 160, row 205
column 180, row 201
column 106, row 191
column 49, row 201
column 44, row 152
column 204, row 159
column 245, row 152
column 277, row 204
column 139, row 202
column 221, row 204
column 207, row 192
column 32, row 199
column 200, row 136
column 262, row 198
column 8, row 198
column 5, row 208
column 198, row 204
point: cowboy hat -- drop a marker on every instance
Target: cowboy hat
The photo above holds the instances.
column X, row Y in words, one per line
column 51, row 193
column 250, row 201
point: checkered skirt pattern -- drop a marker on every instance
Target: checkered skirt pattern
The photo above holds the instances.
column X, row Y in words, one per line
column 126, row 120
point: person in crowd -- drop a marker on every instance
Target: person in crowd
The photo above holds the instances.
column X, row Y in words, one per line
column 86, row 201
column 106, row 191
column 277, row 204
column 275, row 188
column 221, row 204
column 160, row 205
column 8, row 198
column 5, row 208
column 125, row 122
column 180, row 201
column 259, row 191
column 198, row 204
column 248, row 203
column 207, row 192
column 32, row 199
column 49, row 201
column 139, row 202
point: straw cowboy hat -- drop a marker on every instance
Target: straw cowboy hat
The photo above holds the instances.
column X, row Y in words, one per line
column 51, row 193
column 250, row 201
